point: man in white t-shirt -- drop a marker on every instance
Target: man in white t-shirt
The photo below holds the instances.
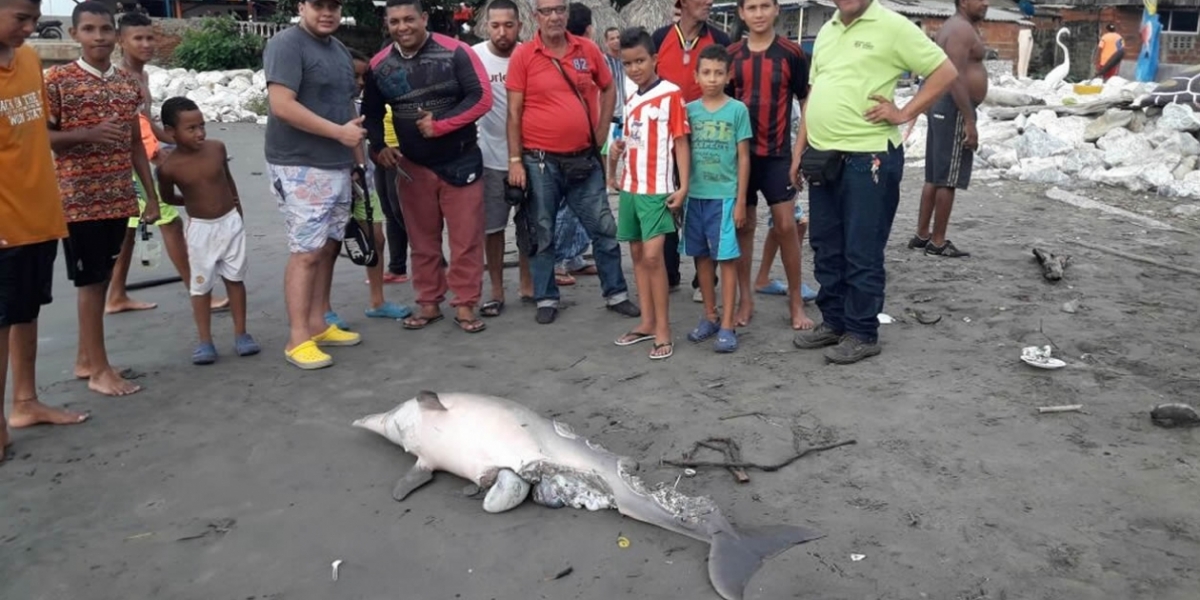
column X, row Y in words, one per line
column 503, row 29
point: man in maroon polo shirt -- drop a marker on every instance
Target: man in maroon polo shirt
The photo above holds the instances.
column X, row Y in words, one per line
column 679, row 45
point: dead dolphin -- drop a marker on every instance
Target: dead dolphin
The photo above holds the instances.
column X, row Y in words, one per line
column 508, row 449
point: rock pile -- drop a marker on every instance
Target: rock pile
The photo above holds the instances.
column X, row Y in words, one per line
column 223, row 96
column 1142, row 150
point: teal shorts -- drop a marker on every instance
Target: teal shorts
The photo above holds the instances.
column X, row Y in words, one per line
column 643, row 217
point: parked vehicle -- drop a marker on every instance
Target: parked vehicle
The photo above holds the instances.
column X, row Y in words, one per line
column 50, row 29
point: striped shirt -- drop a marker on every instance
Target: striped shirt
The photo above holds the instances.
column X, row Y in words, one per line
column 765, row 82
column 653, row 119
column 618, row 72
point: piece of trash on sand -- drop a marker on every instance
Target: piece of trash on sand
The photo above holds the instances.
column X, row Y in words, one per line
column 885, row 318
column 1052, row 265
column 1175, row 414
column 561, row 574
column 622, row 541
column 1060, row 409
column 1071, row 306
column 337, row 563
column 857, row 557
column 689, row 472
column 925, row 318
column 1040, row 357
column 139, row 536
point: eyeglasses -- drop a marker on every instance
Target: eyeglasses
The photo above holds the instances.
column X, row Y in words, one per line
column 553, row 10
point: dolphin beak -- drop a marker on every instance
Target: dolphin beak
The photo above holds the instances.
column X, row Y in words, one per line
column 374, row 423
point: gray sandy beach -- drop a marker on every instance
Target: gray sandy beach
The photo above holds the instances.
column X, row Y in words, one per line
column 244, row 480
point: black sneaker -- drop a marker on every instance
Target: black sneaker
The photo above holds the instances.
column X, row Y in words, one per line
column 851, row 350
column 947, row 250
column 916, row 243
column 546, row 314
column 819, row 337
column 627, row 308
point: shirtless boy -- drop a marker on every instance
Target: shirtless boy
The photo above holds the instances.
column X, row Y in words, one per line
column 135, row 35
column 216, row 237
column 952, row 139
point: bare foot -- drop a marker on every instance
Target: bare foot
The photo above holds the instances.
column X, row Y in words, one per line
column 126, row 304
column 219, row 304
column 802, row 322
column 86, row 373
column 27, row 413
column 744, row 314
column 110, row 383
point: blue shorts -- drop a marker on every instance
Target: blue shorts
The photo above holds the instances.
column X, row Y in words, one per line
column 708, row 229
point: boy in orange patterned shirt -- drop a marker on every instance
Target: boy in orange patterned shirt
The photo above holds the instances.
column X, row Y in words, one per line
column 93, row 115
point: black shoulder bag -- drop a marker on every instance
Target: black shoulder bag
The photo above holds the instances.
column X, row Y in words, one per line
column 360, row 244
column 578, row 168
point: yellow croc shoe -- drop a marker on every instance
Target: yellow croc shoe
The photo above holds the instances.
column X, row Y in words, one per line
column 337, row 337
column 308, row 356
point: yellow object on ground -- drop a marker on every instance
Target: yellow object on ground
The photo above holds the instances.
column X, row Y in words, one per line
column 1084, row 89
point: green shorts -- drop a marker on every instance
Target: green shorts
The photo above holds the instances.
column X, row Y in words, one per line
column 166, row 212
column 360, row 210
column 642, row 217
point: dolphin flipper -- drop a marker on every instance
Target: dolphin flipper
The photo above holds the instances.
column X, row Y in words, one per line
column 735, row 557
column 416, row 477
column 508, row 492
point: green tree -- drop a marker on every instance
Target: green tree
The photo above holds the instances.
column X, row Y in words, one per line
column 218, row 45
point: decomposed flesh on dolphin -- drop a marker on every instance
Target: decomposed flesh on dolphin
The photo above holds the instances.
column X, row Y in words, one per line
column 511, row 451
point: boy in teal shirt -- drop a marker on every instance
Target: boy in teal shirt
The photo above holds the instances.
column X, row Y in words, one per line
column 716, row 206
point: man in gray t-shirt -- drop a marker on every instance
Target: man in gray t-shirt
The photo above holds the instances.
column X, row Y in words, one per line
column 313, row 145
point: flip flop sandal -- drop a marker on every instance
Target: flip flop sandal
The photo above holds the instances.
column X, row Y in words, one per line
column 420, row 322
column 562, row 279
column 470, row 325
column 588, row 270
column 492, row 308
column 528, row 299
column 633, row 337
column 670, row 346
column 775, row 288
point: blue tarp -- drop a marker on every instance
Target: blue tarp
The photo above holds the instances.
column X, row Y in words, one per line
column 1147, row 64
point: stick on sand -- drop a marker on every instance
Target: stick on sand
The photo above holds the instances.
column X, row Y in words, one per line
column 1060, row 409
column 1136, row 257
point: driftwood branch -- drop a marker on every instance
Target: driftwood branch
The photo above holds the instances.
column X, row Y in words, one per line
column 1007, row 113
column 1136, row 257
column 733, row 453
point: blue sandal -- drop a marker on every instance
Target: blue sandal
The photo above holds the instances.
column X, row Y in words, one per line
column 775, row 288
column 245, row 345
column 332, row 318
column 388, row 310
column 726, row 341
column 205, row 353
column 704, row 330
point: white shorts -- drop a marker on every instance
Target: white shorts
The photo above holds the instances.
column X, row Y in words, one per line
column 216, row 247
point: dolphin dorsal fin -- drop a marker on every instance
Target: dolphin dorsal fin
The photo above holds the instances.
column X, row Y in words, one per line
column 429, row 401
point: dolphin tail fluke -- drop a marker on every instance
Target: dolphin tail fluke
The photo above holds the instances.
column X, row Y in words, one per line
column 736, row 556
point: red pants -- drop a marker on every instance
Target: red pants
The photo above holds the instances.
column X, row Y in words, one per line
column 1109, row 74
column 425, row 203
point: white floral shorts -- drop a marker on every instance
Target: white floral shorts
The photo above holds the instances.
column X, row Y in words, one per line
column 315, row 204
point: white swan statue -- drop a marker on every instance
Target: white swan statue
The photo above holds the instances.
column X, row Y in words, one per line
column 1056, row 76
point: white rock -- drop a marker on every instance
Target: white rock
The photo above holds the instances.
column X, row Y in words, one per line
column 1081, row 159
column 1042, row 118
column 1000, row 96
column 1181, row 143
column 1114, row 138
column 996, row 132
column 211, row 78
column 1186, row 210
column 177, row 73
column 262, row 120
column 1105, row 123
column 1187, row 165
column 1157, row 175
column 240, row 83
column 1035, row 142
column 1127, row 177
column 1041, row 170
column 1093, row 174
column 200, row 96
column 1068, row 129
column 259, row 79
column 1179, row 117
column 174, row 88
column 1003, row 159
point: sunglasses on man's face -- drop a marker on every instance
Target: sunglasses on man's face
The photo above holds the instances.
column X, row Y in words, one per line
column 553, row 10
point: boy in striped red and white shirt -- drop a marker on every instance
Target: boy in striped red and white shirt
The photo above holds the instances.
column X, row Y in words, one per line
column 655, row 144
